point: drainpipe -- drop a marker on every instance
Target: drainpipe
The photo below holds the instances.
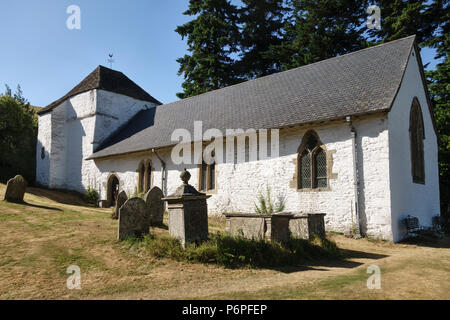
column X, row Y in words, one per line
column 163, row 170
column 355, row 175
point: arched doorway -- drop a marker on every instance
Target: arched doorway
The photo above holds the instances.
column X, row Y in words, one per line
column 113, row 189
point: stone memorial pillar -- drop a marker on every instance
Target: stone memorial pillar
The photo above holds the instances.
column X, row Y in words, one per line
column 188, row 212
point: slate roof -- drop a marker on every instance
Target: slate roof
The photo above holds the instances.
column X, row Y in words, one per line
column 108, row 80
column 357, row 83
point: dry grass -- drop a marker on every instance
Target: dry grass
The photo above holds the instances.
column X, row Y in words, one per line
column 40, row 239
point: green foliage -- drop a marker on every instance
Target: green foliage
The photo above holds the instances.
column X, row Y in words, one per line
column 18, row 134
column 321, row 29
column 235, row 252
column 439, row 85
column 211, row 38
column 137, row 194
column 404, row 18
column 91, row 195
column 267, row 205
column 261, row 24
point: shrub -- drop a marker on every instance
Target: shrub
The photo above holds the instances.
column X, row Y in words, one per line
column 235, row 252
column 91, row 195
column 18, row 134
column 267, row 205
column 137, row 194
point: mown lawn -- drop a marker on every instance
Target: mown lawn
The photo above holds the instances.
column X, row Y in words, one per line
column 53, row 230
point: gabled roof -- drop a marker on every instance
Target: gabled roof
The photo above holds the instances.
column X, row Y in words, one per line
column 357, row 83
column 108, row 80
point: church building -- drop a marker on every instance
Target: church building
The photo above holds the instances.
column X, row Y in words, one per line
column 356, row 140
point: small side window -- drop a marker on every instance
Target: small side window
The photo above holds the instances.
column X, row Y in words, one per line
column 42, row 153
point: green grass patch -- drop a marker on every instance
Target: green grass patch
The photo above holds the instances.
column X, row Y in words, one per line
column 63, row 258
column 235, row 252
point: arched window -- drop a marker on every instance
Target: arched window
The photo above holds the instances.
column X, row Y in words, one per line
column 305, row 170
column 141, row 177
column 312, row 163
column 212, row 176
column 203, row 176
column 416, row 136
column 207, row 176
column 320, row 168
column 148, row 177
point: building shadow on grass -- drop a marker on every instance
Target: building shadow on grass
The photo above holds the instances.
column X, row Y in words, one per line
column 60, row 196
column 42, row 207
column 428, row 240
column 338, row 262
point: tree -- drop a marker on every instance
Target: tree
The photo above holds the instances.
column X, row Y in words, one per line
column 18, row 134
column 321, row 29
column 439, row 86
column 211, row 38
column 404, row 18
column 262, row 24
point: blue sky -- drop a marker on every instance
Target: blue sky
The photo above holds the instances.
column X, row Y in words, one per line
column 47, row 59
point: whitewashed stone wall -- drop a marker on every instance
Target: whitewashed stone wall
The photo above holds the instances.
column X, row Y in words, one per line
column 72, row 131
column 238, row 184
column 408, row 198
column 43, row 141
column 386, row 192
column 373, row 173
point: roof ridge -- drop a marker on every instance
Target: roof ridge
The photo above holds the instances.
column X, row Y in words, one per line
column 296, row 68
column 103, row 78
column 358, row 85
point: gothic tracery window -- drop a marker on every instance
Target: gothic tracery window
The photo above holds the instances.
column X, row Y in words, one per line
column 312, row 164
column 417, row 135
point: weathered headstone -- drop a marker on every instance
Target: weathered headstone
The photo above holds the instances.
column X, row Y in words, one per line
column 133, row 219
column 15, row 189
column 121, row 198
column 155, row 206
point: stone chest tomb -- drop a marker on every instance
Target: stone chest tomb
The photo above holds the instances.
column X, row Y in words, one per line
column 276, row 227
column 188, row 212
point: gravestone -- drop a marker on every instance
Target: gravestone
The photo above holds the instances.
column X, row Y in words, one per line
column 133, row 219
column 155, row 206
column 15, row 189
column 121, row 198
column 188, row 212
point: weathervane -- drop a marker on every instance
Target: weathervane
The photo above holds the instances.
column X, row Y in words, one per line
column 110, row 60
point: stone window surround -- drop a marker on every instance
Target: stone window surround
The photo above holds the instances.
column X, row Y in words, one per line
column 146, row 163
column 208, row 178
column 329, row 160
column 417, row 169
column 208, row 175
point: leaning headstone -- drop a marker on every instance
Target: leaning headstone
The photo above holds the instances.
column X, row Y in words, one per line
column 155, row 206
column 15, row 189
column 133, row 219
column 121, row 198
